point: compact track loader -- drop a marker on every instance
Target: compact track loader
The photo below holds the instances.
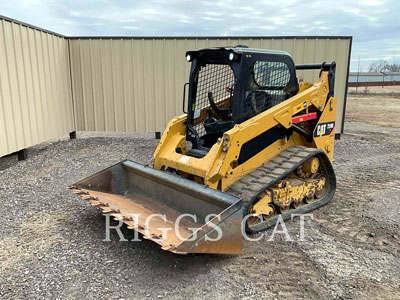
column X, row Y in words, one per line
column 253, row 146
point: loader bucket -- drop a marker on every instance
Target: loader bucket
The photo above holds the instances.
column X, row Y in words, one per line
column 180, row 215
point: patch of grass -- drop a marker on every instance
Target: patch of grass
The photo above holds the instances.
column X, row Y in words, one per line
column 34, row 237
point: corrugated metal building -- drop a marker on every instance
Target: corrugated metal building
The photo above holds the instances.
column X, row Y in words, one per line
column 35, row 87
column 113, row 76
column 52, row 85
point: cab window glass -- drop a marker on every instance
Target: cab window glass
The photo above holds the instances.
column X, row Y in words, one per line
column 269, row 74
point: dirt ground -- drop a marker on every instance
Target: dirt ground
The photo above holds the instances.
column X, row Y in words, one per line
column 376, row 89
column 51, row 241
column 379, row 110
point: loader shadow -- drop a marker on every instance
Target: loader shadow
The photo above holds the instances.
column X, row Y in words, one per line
column 145, row 252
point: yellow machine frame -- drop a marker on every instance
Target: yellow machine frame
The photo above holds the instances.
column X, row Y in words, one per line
column 219, row 168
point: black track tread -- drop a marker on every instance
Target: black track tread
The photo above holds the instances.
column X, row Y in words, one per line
column 252, row 185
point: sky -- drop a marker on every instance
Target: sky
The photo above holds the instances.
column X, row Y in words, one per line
column 374, row 24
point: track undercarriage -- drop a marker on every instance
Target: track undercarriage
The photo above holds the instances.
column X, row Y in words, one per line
column 297, row 181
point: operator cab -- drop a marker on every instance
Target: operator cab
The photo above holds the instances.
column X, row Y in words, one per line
column 230, row 85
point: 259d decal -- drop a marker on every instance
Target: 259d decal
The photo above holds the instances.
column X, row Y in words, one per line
column 324, row 129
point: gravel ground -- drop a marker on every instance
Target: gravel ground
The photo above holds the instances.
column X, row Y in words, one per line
column 51, row 241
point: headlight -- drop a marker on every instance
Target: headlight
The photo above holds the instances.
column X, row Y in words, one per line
column 231, row 56
column 188, row 58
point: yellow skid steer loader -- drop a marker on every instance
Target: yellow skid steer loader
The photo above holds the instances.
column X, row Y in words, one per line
column 253, row 146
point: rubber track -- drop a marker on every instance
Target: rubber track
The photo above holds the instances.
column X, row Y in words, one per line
column 252, row 185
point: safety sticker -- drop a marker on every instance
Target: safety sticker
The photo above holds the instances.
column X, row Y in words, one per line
column 300, row 107
column 184, row 159
column 196, row 113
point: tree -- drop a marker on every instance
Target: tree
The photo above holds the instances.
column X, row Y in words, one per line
column 394, row 67
column 383, row 66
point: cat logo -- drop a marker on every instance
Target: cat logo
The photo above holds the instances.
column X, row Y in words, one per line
column 324, row 129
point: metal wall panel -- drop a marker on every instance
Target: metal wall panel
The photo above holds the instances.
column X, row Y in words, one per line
column 118, row 84
column 35, row 87
column 136, row 84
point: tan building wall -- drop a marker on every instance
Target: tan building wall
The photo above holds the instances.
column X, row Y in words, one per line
column 35, row 87
column 136, row 84
column 118, row 84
